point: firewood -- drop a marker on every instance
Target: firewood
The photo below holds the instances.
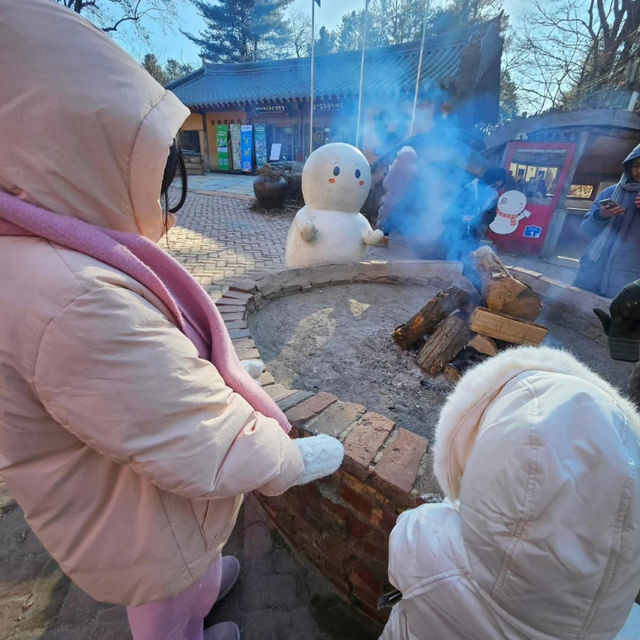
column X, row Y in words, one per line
column 497, row 325
column 445, row 343
column 484, row 344
column 466, row 359
column 451, row 373
column 501, row 291
column 427, row 319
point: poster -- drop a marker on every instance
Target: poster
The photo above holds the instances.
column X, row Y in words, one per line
column 246, row 147
column 536, row 173
column 235, row 147
column 275, row 151
column 222, row 134
column 261, row 145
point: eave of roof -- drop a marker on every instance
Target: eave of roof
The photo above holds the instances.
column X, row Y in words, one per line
column 388, row 71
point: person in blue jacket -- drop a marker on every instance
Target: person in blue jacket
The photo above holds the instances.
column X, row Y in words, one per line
column 612, row 258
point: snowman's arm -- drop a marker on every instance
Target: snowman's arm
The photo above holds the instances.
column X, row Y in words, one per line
column 304, row 225
column 370, row 236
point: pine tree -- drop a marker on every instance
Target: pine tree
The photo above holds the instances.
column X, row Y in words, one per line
column 240, row 30
column 175, row 69
column 151, row 64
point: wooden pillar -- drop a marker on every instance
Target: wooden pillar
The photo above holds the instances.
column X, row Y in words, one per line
column 560, row 214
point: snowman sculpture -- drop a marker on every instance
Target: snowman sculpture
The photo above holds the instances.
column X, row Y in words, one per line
column 511, row 209
column 330, row 229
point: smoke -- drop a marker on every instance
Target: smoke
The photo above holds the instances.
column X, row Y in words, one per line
column 432, row 199
column 425, row 201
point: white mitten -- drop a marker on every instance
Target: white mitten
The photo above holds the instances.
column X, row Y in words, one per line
column 373, row 237
column 322, row 455
column 253, row 367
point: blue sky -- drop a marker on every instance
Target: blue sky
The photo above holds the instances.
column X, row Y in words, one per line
column 168, row 42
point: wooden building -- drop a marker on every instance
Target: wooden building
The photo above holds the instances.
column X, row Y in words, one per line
column 460, row 72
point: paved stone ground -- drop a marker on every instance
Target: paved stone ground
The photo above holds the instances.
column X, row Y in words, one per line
column 279, row 596
column 223, row 183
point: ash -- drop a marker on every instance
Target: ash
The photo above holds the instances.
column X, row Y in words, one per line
column 338, row 339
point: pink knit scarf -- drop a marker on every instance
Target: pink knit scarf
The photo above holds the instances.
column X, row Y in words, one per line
column 193, row 311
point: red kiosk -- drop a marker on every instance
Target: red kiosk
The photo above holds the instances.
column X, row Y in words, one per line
column 536, row 172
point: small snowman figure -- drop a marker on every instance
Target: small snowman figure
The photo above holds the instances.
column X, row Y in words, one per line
column 330, row 229
column 511, row 209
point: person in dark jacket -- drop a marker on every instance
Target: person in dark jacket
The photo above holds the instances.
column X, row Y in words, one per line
column 612, row 258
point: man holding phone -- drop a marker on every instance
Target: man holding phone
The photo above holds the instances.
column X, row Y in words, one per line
column 612, row 258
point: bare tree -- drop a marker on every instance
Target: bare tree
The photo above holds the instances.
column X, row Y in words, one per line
column 571, row 53
column 110, row 15
column 299, row 34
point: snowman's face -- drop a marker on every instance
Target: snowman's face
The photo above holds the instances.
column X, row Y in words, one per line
column 336, row 177
column 512, row 202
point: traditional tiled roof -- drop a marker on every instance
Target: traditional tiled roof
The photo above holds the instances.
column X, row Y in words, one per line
column 388, row 70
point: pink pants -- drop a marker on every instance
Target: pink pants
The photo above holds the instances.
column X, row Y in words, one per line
column 179, row 617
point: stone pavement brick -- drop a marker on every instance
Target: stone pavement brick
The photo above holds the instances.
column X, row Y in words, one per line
column 266, row 378
column 239, row 333
column 278, row 392
column 257, row 540
column 232, row 317
column 291, row 401
column 401, row 459
column 365, row 439
column 248, row 354
column 244, row 343
column 235, row 324
column 268, row 591
column 334, row 420
column 304, row 411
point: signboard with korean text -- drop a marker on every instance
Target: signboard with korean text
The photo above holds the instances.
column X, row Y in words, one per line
column 222, row 135
column 536, row 173
column 235, row 147
column 246, row 147
column 260, row 131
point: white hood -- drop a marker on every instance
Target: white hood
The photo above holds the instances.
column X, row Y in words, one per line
column 544, row 457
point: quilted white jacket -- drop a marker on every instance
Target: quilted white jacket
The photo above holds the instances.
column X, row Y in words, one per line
column 540, row 457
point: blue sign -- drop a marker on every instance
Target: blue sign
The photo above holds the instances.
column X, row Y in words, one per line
column 532, row 231
column 246, row 147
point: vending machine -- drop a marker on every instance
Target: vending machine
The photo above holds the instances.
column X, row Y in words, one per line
column 536, row 173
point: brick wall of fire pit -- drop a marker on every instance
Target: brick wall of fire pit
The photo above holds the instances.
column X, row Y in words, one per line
column 342, row 523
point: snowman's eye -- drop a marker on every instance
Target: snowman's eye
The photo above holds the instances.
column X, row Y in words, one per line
column 336, row 171
column 358, row 173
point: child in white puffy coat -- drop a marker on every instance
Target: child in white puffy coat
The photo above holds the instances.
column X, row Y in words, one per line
column 539, row 534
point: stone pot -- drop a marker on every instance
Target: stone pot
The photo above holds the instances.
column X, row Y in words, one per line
column 270, row 192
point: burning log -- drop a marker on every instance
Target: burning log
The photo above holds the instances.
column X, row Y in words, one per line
column 497, row 325
column 448, row 339
column 428, row 318
column 501, row 291
column 483, row 344
column 467, row 358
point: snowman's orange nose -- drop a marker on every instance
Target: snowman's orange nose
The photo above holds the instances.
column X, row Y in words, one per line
column 361, row 182
column 332, row 179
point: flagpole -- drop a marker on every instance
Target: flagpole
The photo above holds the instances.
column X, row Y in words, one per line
column 415, row 95
column 364, row 44
column 313, row 47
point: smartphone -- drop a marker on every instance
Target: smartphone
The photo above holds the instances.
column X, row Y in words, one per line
column 609, row 203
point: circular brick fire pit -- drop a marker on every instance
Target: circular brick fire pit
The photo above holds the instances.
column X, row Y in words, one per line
column 342, row 523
